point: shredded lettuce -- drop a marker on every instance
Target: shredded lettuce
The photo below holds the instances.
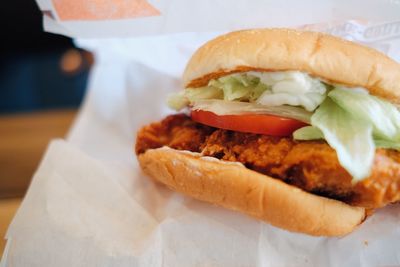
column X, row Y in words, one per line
column 239, row 87
column 291, row 87
column 223, row 107
column 184, row 98
column 265, row 88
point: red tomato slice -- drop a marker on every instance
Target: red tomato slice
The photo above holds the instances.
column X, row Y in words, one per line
column 249, row 123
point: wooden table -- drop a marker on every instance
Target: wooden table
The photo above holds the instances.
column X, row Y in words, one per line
column 8, row 207
column 23, row 140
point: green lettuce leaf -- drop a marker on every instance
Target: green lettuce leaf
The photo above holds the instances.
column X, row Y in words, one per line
column 236, row 87
column 354, row 123
column 266, row 88
column 387, row 144
column 350, row 137
column 308, row 133
column 177, row 101
column 184, row 98
column 240, row 87
column 384, row 117
column 312, row 133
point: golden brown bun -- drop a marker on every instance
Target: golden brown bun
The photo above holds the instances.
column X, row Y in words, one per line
column 235, row 187
column 318, row 54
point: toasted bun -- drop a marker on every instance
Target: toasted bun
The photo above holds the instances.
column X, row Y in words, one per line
column 235, row 187
column 318, row 54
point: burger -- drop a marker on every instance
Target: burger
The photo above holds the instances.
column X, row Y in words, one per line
column 298, row 129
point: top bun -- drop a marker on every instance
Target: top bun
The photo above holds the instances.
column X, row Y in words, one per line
column 321, row 55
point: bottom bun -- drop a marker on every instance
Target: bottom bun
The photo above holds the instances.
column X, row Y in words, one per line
column 235, row 187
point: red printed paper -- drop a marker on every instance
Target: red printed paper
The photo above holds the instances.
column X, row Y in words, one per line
column 103, row 9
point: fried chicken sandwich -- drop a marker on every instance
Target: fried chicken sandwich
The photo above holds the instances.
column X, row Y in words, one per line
column 298, row 129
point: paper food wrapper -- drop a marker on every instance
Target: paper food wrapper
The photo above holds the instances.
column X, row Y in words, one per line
column 124, row 18
column 89, row 204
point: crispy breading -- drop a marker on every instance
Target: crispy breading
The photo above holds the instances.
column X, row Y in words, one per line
column 310, row 165
column 176, row 131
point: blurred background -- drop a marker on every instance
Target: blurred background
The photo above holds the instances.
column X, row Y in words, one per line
column 42, row 83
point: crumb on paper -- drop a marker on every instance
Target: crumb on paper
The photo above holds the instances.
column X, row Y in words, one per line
column 366, row 242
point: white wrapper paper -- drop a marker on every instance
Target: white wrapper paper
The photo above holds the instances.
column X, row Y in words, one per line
column 90, row 205
column 117, row 18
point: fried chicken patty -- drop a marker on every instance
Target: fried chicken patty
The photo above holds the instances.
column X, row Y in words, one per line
column 310, row 165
